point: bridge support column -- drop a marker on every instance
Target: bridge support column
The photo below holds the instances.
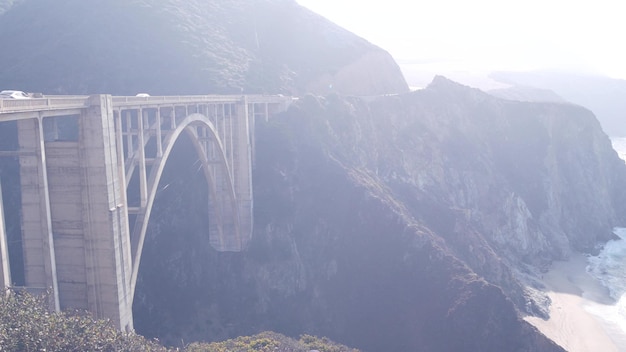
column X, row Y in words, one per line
column 242, row 170
column 5, row 270
column 40, row 272
column 81, row 203
column 104, row 218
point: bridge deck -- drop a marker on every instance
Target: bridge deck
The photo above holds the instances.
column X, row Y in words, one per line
column 20, row 109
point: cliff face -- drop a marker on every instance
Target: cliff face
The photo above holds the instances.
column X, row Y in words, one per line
column 535, row 179
column 406, row 222
column 183, row 47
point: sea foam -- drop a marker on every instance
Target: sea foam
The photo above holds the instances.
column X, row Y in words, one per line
column 609, row 267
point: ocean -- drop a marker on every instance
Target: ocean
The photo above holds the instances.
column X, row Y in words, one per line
column 609, row 267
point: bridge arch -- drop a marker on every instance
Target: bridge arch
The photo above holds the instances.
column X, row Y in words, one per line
column 223, row 209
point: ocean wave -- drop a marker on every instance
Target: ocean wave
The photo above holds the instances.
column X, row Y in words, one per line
column 609, row 267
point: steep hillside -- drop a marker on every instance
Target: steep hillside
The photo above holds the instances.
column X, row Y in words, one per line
column 511, row 186
column 185, row 47
column 395, row 223
column 545, row 172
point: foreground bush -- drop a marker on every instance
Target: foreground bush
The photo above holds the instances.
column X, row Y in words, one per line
column 270, row 342
column 26, row 325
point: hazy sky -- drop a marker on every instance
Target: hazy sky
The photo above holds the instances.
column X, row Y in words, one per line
column 491, row 34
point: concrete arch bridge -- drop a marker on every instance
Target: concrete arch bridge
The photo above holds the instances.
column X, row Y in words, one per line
column 82, row 226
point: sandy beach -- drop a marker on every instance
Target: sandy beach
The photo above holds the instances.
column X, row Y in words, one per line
column 575, row 294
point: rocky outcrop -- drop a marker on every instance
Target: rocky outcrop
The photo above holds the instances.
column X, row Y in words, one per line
column 537, row 179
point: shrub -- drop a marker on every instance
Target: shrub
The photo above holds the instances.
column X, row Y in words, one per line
column 270, row 342
column 27, row 325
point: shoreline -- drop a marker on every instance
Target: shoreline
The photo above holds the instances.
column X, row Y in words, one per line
column 575, row 294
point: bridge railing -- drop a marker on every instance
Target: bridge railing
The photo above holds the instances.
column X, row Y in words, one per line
column 122, row 100
column 73, row 102
column 17, row 105
column 271, row 99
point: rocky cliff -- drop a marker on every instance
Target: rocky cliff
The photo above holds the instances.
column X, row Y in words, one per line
column 538, row 179
column 396, row 222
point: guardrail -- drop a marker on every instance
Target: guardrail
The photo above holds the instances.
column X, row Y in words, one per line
column 18, row 105
column 122, row 100
column 271, row 99
column 125, row 101
column 77, row 102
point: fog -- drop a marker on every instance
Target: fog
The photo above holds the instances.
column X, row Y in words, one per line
column 469, row 39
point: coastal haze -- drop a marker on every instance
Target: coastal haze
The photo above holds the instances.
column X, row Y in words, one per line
column 553, row 51
column 397, row 177
column 488, row 35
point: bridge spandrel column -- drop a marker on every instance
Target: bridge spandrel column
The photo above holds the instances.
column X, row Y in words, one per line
column 5, row 270
column 40, row 272
column 105, row 224
column 242, row 170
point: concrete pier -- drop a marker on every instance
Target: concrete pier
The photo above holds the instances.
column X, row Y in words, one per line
column 5, row 269
column 40, row 272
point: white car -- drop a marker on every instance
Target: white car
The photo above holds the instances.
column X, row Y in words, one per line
column 13, row 94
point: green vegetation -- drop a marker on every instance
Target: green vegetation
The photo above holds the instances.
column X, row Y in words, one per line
column 193, row 46
column 271, row 342
column 26, row 325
